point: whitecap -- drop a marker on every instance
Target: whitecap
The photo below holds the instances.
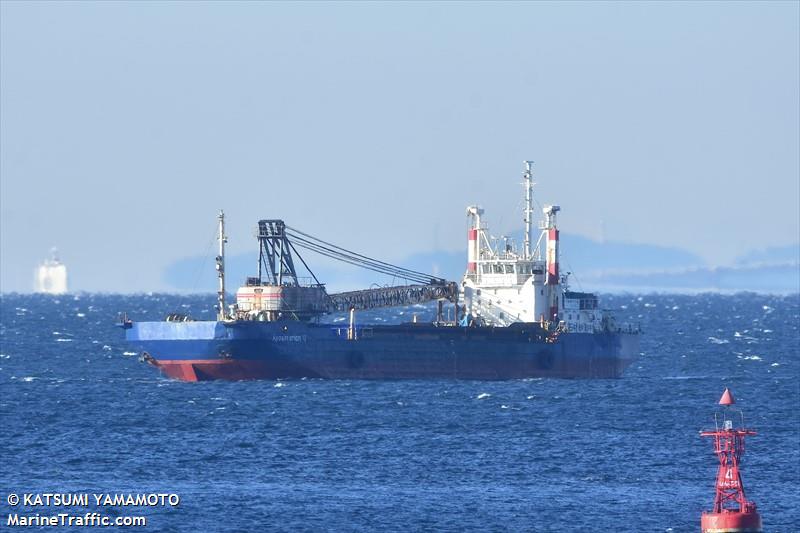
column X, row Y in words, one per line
column 503, row 407
column 128, row 353
column 714, row 340
column 483, row 395
column 106, row 347
column 775, row 364
column 279, row 384
column 80, row 315
column 28, row 379
column 63, row 340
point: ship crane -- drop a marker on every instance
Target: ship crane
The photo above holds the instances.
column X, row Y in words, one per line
column 278, row 291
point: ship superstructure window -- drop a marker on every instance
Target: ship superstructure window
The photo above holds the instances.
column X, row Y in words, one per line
column 509, row 269
column 497, row 268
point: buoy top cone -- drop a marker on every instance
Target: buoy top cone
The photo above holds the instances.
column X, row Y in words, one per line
column 727, row 398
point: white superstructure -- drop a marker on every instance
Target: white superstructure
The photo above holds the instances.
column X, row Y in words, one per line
column 51, row 276
column 503, row 285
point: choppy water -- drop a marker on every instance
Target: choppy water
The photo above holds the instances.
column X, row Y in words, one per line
column 81, row 414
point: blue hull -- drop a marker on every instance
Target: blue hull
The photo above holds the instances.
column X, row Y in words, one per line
column 196, row 351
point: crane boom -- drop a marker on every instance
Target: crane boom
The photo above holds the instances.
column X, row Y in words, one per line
column 393, row 296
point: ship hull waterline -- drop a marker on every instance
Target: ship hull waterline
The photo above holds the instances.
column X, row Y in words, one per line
column 208, row 350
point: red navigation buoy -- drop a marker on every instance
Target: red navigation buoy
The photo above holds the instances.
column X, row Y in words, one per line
column 732, row 513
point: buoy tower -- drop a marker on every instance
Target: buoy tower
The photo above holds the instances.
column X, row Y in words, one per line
column 732, row 512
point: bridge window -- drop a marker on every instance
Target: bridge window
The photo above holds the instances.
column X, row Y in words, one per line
column 509, row 269
column 497, row 268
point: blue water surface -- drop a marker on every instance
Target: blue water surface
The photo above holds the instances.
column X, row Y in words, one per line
column 82, row 414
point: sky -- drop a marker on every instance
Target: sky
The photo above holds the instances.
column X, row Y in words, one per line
column 124, row 127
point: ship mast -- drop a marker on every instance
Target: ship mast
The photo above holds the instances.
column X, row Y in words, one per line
column 528, row 183
column 221, row 267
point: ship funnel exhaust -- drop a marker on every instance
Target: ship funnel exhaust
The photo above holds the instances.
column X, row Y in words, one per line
column 552, row 244
column 473, row 246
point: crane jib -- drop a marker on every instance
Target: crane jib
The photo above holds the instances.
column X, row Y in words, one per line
column 393, row 296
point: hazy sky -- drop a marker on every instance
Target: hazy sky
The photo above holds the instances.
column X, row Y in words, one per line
column 124, row 127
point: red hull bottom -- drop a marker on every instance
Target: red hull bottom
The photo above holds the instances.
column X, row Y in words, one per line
column 206, row 370
column 731, row 522
column 243, row 369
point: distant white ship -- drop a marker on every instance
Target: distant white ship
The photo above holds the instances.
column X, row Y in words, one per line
column 51, row 275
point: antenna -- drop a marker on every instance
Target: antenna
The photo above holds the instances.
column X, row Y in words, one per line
column 221, row 266
column 528, row 183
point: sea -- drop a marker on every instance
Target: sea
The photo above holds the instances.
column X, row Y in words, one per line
column 82, row 415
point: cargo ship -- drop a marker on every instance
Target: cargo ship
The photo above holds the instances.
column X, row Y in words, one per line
column 51, row 276
column 512, row 316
